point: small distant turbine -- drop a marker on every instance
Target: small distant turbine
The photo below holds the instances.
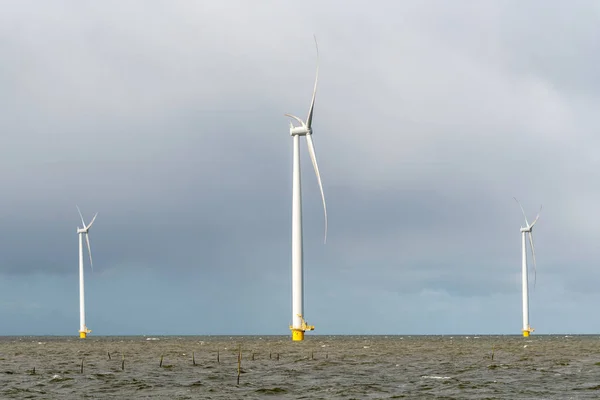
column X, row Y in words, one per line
column 528, row 229
column 299, row 325
column 83, row 330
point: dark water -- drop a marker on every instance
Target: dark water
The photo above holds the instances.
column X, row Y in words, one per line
column 321, row 367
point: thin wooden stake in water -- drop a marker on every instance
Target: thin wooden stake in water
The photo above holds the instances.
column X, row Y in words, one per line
column 33, row 370
column 123, row 362
column 252, row 356
column 493, row 352
column 82, row 365
column 326, row 355
column 277, row 356
column 193, row 359
column 218, row 361
column 312, row 355
column 269, row 355
column 161, row 359
column 239, row 363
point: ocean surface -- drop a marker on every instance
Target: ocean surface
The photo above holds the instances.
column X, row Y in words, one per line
column 321, row 367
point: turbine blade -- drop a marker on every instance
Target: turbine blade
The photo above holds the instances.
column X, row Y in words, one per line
column 523, row 211
column 81, row 216
column 92, row 221
column 536, row 218
column 312, row 103
column 533, row 256
column 296, row 118
column 311, row 151
column 87, row 239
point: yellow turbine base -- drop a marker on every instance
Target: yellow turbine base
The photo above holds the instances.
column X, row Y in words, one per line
column 297, row 335
column 527, row 332
column 83, row 333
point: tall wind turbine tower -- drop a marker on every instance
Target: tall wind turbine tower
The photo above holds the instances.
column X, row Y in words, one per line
column 527, row 230
column 83, row 330
column 299, row 325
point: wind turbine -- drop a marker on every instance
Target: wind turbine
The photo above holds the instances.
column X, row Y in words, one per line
column 528, row 229
column 83, row 330
column 299, row 325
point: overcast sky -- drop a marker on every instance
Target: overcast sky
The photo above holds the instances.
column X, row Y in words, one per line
column 166, row 118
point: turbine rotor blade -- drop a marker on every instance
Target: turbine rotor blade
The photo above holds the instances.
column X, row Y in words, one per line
column 312, row 102
column 533, row 256
column 297, row 119
column 87, row 239
column 81, row 216
column 523, row 211
column 92, row 221
column 313, row 157
column 536, row 218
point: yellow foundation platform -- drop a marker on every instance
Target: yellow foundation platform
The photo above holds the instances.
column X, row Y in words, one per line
column 527, row 332
column 298, row 333
column 83, row 334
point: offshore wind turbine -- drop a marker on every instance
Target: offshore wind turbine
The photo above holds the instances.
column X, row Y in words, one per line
column 299, row 325
column 83, row 330
column 527, row 230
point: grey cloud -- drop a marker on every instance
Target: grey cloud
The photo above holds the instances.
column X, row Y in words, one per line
column 168, row 120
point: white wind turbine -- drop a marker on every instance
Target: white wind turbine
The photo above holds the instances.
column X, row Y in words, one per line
column 83, row 330
column 528, row 229
column 299, row 325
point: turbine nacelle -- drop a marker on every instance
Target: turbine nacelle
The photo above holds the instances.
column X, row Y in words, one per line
column 529, row 228
column 301, row 130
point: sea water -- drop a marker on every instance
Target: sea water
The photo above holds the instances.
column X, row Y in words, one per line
column 320, row 367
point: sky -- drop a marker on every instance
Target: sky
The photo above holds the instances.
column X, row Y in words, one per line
column 167, row 118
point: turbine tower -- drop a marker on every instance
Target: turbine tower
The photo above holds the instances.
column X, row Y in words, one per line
column 527, row 230
column 299, row 325
column 83, row 330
